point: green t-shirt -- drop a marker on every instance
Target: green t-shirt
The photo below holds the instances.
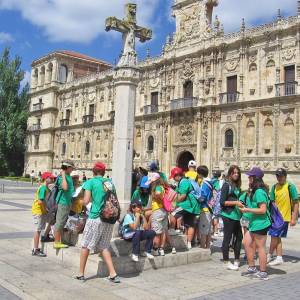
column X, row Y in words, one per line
column 258, row 222
column 143, row 198
column 95, row 186
column 190, row 204
column 245, row 199
column 234, row 214
column 65, row 197
column 42, row 192
column 163, row 176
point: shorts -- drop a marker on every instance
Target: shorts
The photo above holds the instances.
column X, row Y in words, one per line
column 204, row 224
column 159, row 221
column 245, row 222
column 188, row 218
column 280, row 233
column 61, row 216
column 40, row 222
column 97, row 235
column 261, row 232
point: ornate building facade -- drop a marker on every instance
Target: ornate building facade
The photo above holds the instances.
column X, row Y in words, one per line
column 217, row 98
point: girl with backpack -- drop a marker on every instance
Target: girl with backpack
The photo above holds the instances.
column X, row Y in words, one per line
column 257, row 208
column 231, row 215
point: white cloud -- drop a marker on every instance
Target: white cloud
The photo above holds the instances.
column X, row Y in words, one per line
column 25, row 80
column 76, row 20
column 231, row 12
column 5, row 38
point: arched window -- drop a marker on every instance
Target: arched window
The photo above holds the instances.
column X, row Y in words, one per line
column 150, row 143
column 188, row 89
column 63, row 149
column 87, row 147
column 63, row 73
column 229, row 138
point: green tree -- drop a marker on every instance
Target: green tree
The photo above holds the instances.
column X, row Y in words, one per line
column 14, row 105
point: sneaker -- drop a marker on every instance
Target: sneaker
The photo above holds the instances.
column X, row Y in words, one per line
column 161, row 252
column 115, row 279
column 189, row 245
column 277, row 261
column 261, row 276
column 178, row 231
column 174, row 250
column 134, row 258
column 155, row 252
column 250, row 271
column 60, row 245
column 269, row 258
column 149, row 255
column 232, row 267
column 47, row 239
column 38, row 252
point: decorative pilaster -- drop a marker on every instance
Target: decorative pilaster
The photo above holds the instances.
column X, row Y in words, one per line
column 276, row 113
column 257, row 134
column 297, row 111
column 239, row 120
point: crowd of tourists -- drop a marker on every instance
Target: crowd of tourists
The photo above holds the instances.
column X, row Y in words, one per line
column 188, row 202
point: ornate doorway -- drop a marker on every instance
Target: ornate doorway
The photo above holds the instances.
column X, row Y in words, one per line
column 183, row 160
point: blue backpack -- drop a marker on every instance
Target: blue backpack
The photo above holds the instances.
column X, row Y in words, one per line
column 276, row 220
column 202, row 193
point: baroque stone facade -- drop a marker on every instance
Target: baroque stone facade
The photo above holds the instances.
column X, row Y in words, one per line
column 218, row 98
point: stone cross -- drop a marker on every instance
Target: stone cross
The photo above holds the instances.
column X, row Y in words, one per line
column 130, row 31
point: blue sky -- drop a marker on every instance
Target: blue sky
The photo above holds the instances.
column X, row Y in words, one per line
column 33, row 28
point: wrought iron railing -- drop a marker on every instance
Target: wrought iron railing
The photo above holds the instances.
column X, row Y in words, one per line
column 37, row 107
column 286, row 88
column 150, row 109
column 183, row 103
column 88, row 119
column 64, row 122
column 229, row 97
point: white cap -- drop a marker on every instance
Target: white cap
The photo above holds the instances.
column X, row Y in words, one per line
column 192, row 163
column 74, row 174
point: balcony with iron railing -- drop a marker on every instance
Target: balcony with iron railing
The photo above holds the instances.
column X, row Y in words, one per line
column 226, row 98
column 34, row 127
column 64, row 122
column 183, row 103
column 37, row 107
column 88, row 119
column 286, row 89
column 150, row 109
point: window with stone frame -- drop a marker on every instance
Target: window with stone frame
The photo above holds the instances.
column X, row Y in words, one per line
column 188, row 89
column 229, row 138
column 87, row 147
column 150, row 146
column 36, row 141
column 63, row 149
column 63, row 74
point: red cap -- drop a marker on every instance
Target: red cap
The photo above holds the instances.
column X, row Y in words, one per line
column 99, row 166
column 175, row 172
column 46, row 175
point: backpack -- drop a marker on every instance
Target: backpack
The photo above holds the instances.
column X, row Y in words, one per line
column 202, row 193
column 276, row 219
column 121, row 229
column 111, row 211
column 50, row 200
column 169, row 199
column 217, row 204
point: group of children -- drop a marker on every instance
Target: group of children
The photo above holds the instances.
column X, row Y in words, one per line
column 198, row 203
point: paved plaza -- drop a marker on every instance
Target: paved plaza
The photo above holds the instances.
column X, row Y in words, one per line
column 25, row 277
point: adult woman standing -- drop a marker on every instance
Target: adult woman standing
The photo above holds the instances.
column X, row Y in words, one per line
column 259, row 223
column 231, row 216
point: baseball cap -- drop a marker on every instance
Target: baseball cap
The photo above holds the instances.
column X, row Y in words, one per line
column 175, row 172
column 46, row 175
column 153, row 166
column 136, row 202
column 281, row 172
column 68, row 163
column 257, row 172
column 192, row 163
column 144, row 182
column 152, row 177
column 74, row 174
column 99, row 166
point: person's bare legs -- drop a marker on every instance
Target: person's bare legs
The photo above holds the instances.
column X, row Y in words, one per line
column 249, row 248
column 273, row 245
column 57, row 236
column 190, row 233
column 205, row 241
column 163, row 239
column 279, row 250
column 157, row 241
column 260, row 241
column 109, row 263
column 36, row 239
column 48, row 229
column 84, row 254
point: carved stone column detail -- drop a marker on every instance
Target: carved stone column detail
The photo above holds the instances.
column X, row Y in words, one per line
column 257, row 134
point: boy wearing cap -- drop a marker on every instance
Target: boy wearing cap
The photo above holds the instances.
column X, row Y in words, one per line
column 97, row 234
column 39, row 212
column 64, row 201
column 285, row 195
column 191, row 173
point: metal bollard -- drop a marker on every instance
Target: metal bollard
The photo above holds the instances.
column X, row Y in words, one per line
column 2, row 188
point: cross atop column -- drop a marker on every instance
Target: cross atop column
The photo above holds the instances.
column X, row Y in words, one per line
column 130, row 31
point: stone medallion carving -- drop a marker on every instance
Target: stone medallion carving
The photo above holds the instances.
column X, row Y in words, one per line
column 185, row 134
column 288, row 54
column 188, row 71
column 154, row 82
column 231, row 64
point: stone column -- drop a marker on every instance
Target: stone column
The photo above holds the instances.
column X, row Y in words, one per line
column 126, row 82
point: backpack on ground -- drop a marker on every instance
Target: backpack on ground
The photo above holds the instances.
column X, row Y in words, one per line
column 112, row 210
column 169, row 199
column 51, row 204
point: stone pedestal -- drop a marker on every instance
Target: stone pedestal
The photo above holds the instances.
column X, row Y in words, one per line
column 126, row 81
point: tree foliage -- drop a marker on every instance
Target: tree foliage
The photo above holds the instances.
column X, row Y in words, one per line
column 14, row 111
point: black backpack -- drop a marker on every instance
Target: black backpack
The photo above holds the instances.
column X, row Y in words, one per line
column 51, row 203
